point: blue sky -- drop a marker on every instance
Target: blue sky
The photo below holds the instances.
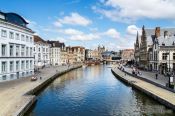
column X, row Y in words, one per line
column 112, row 23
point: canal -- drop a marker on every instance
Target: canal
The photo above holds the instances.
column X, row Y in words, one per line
column 94, row 91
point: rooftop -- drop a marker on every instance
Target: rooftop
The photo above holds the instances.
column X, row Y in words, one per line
column 14, row 19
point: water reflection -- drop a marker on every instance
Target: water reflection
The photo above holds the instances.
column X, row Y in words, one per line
column 94, row 91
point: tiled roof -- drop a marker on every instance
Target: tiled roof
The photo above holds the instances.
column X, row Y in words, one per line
column 167, row 41
column 56, row 44
column 14, row 19
column 150, row 32
column 38, row 39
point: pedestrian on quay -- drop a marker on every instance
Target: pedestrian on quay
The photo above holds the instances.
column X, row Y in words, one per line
column 139, row 72
column 40, row 78
column 156, row 75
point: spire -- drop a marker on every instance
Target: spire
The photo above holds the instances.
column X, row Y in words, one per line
column 143, row 28
column 143, row 31
column 137, row 38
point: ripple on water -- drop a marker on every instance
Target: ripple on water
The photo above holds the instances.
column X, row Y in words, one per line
column 94, row 91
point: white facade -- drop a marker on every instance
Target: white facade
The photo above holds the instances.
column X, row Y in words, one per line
column 55, row 56
column 41, row 54
column 16, row 51
column 162, row 56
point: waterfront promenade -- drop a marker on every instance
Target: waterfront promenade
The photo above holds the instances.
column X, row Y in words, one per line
column 12, row 93
column 162, row 95
column 162, row 80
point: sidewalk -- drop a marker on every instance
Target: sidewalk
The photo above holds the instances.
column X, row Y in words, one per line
column 162, row 80
column 12, row 92
column 162, row 95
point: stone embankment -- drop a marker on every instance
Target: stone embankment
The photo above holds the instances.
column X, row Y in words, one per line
column 18, row 96
column 162, row 95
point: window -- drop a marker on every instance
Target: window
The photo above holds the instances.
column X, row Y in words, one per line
column 31, row 52
column 22, row 51
column 27, row 64
column 11, row 50
column 11, row 35
column 27, row 51
column 173, row 56
column 12, row 76
column 22, row 37
column 3, row 52
column 22, row 65
column 31, row 39
column 39, row 49
column 4, row 77
column 4, row 67
column 23, row 73
column 11, row 66
column 17, row 50
column 39, row 57
column 164, row 56
column 3, row 33
column 155, row 54
column 31, row 66
column 27, row 38
column 17, row 36
column 17, row 65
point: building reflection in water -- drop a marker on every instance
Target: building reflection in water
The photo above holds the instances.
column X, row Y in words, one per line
column 94, row 91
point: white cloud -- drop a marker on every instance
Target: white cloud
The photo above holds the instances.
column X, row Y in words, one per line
column 73, row 19
column 112, row 33
column 71, row 31
column 84, row 37
column 57, row 24
column 61, row 39
column 129, row 11
column 78, row 35
column 133, row 29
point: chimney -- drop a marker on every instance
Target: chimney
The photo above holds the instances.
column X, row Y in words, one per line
column 157, row 32
column 165, row 34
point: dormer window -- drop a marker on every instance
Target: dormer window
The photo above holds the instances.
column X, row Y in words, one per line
column 163, row 44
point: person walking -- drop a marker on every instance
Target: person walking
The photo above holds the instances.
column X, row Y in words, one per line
column 156, row 75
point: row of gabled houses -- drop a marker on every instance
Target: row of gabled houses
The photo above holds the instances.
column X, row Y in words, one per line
column 95, row 54
column 56, row 53
column 21, row 52
column 155, row 49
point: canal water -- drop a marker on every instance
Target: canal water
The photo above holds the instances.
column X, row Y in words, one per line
column 94, row 91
